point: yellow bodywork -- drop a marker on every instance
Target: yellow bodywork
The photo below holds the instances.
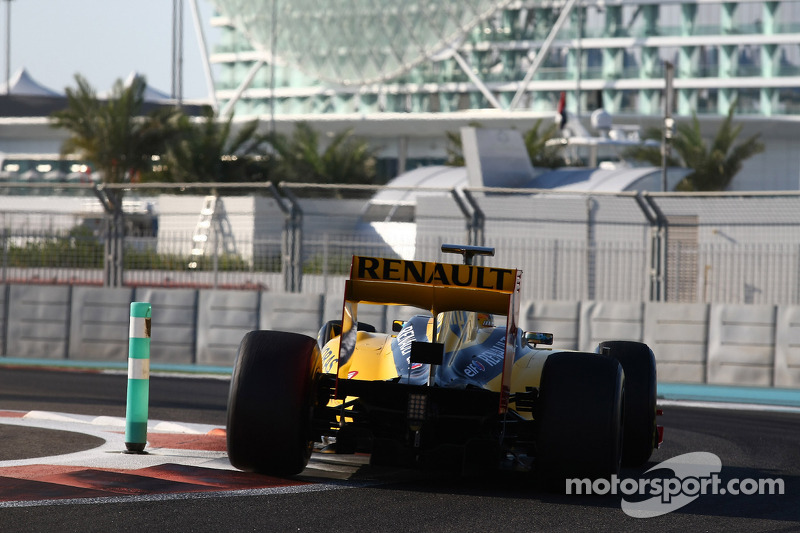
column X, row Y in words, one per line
column 372, row 360
column 460, row 298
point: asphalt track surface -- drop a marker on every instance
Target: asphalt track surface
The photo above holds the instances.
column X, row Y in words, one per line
column 343, row 493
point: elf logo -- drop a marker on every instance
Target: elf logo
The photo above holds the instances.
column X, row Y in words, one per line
column 474, row 368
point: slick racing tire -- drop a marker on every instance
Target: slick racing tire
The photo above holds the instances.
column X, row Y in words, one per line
column 579, row 415
column 271, row 402
column 640, row 434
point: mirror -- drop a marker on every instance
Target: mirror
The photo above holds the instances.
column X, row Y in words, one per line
column 532, row 338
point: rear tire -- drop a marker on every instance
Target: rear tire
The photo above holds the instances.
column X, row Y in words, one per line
column 640, row 433
column 579, row 415
column 271, row 402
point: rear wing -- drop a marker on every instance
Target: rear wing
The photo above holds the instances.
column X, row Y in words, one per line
column 437, row 287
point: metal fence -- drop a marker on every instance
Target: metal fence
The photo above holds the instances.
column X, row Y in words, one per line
column 714, row 248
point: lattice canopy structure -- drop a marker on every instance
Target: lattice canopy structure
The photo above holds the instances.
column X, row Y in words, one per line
column 356, row 42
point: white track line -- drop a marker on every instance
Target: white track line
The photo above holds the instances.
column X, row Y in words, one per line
column 155, row 426
column 294, row 489
column 764, row 408
column 110, row 453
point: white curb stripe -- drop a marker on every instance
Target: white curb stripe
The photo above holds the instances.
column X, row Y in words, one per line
column 292, row 489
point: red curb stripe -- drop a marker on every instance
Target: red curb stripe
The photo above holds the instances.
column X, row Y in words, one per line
column 37, row 472
column 122, row 483
column 45, row 482
column 179, row 441
column 227, row 479
column 18, row 490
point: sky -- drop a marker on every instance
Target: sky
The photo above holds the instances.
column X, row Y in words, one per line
column 103, row 40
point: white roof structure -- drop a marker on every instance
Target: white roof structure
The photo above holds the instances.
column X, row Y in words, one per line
column 428, row 181
column 150, row 94
column 23, row 84
column 498, row 158
column 609, row 180
column 422, row 181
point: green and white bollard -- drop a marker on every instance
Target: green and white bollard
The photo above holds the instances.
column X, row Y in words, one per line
column 138, row 378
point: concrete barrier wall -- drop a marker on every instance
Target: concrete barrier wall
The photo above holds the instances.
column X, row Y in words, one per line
column 693, row 343
column 299, row 313
column 562, row 319
column 99, row 323
column 173, row 330
column 787, row 347
column 38, row 321
column 756, row 345
column 602, row 321
column 741, row 344
column 678, row 335
column 223, row 318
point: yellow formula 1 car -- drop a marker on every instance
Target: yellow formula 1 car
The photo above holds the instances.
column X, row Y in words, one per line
column 454, row 383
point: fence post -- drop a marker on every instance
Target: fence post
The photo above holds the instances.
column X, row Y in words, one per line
column 473, row 214
column 295, row 241
column 215, row 231
column 325, row 239
column 287, row 239
column 5, row 254
column 114, row 235
column 477, row 223
column 658, row 253
column 591, row 251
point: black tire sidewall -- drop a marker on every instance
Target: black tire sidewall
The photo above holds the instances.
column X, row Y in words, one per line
column 639, row 365
column 270, row 402
column 579, row 418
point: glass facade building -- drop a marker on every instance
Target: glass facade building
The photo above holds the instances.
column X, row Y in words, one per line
column 403, row 74
column 372, row 56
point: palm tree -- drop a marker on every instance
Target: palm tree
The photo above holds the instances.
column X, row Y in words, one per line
column 209, row 151
column 119, row 143
column 111, row 134
column 455, row 150
column 713, row 167
column 650, row 154
column 346, row 160
column 536, row 142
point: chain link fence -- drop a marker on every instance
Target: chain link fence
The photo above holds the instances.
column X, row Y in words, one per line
column 720, row 248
